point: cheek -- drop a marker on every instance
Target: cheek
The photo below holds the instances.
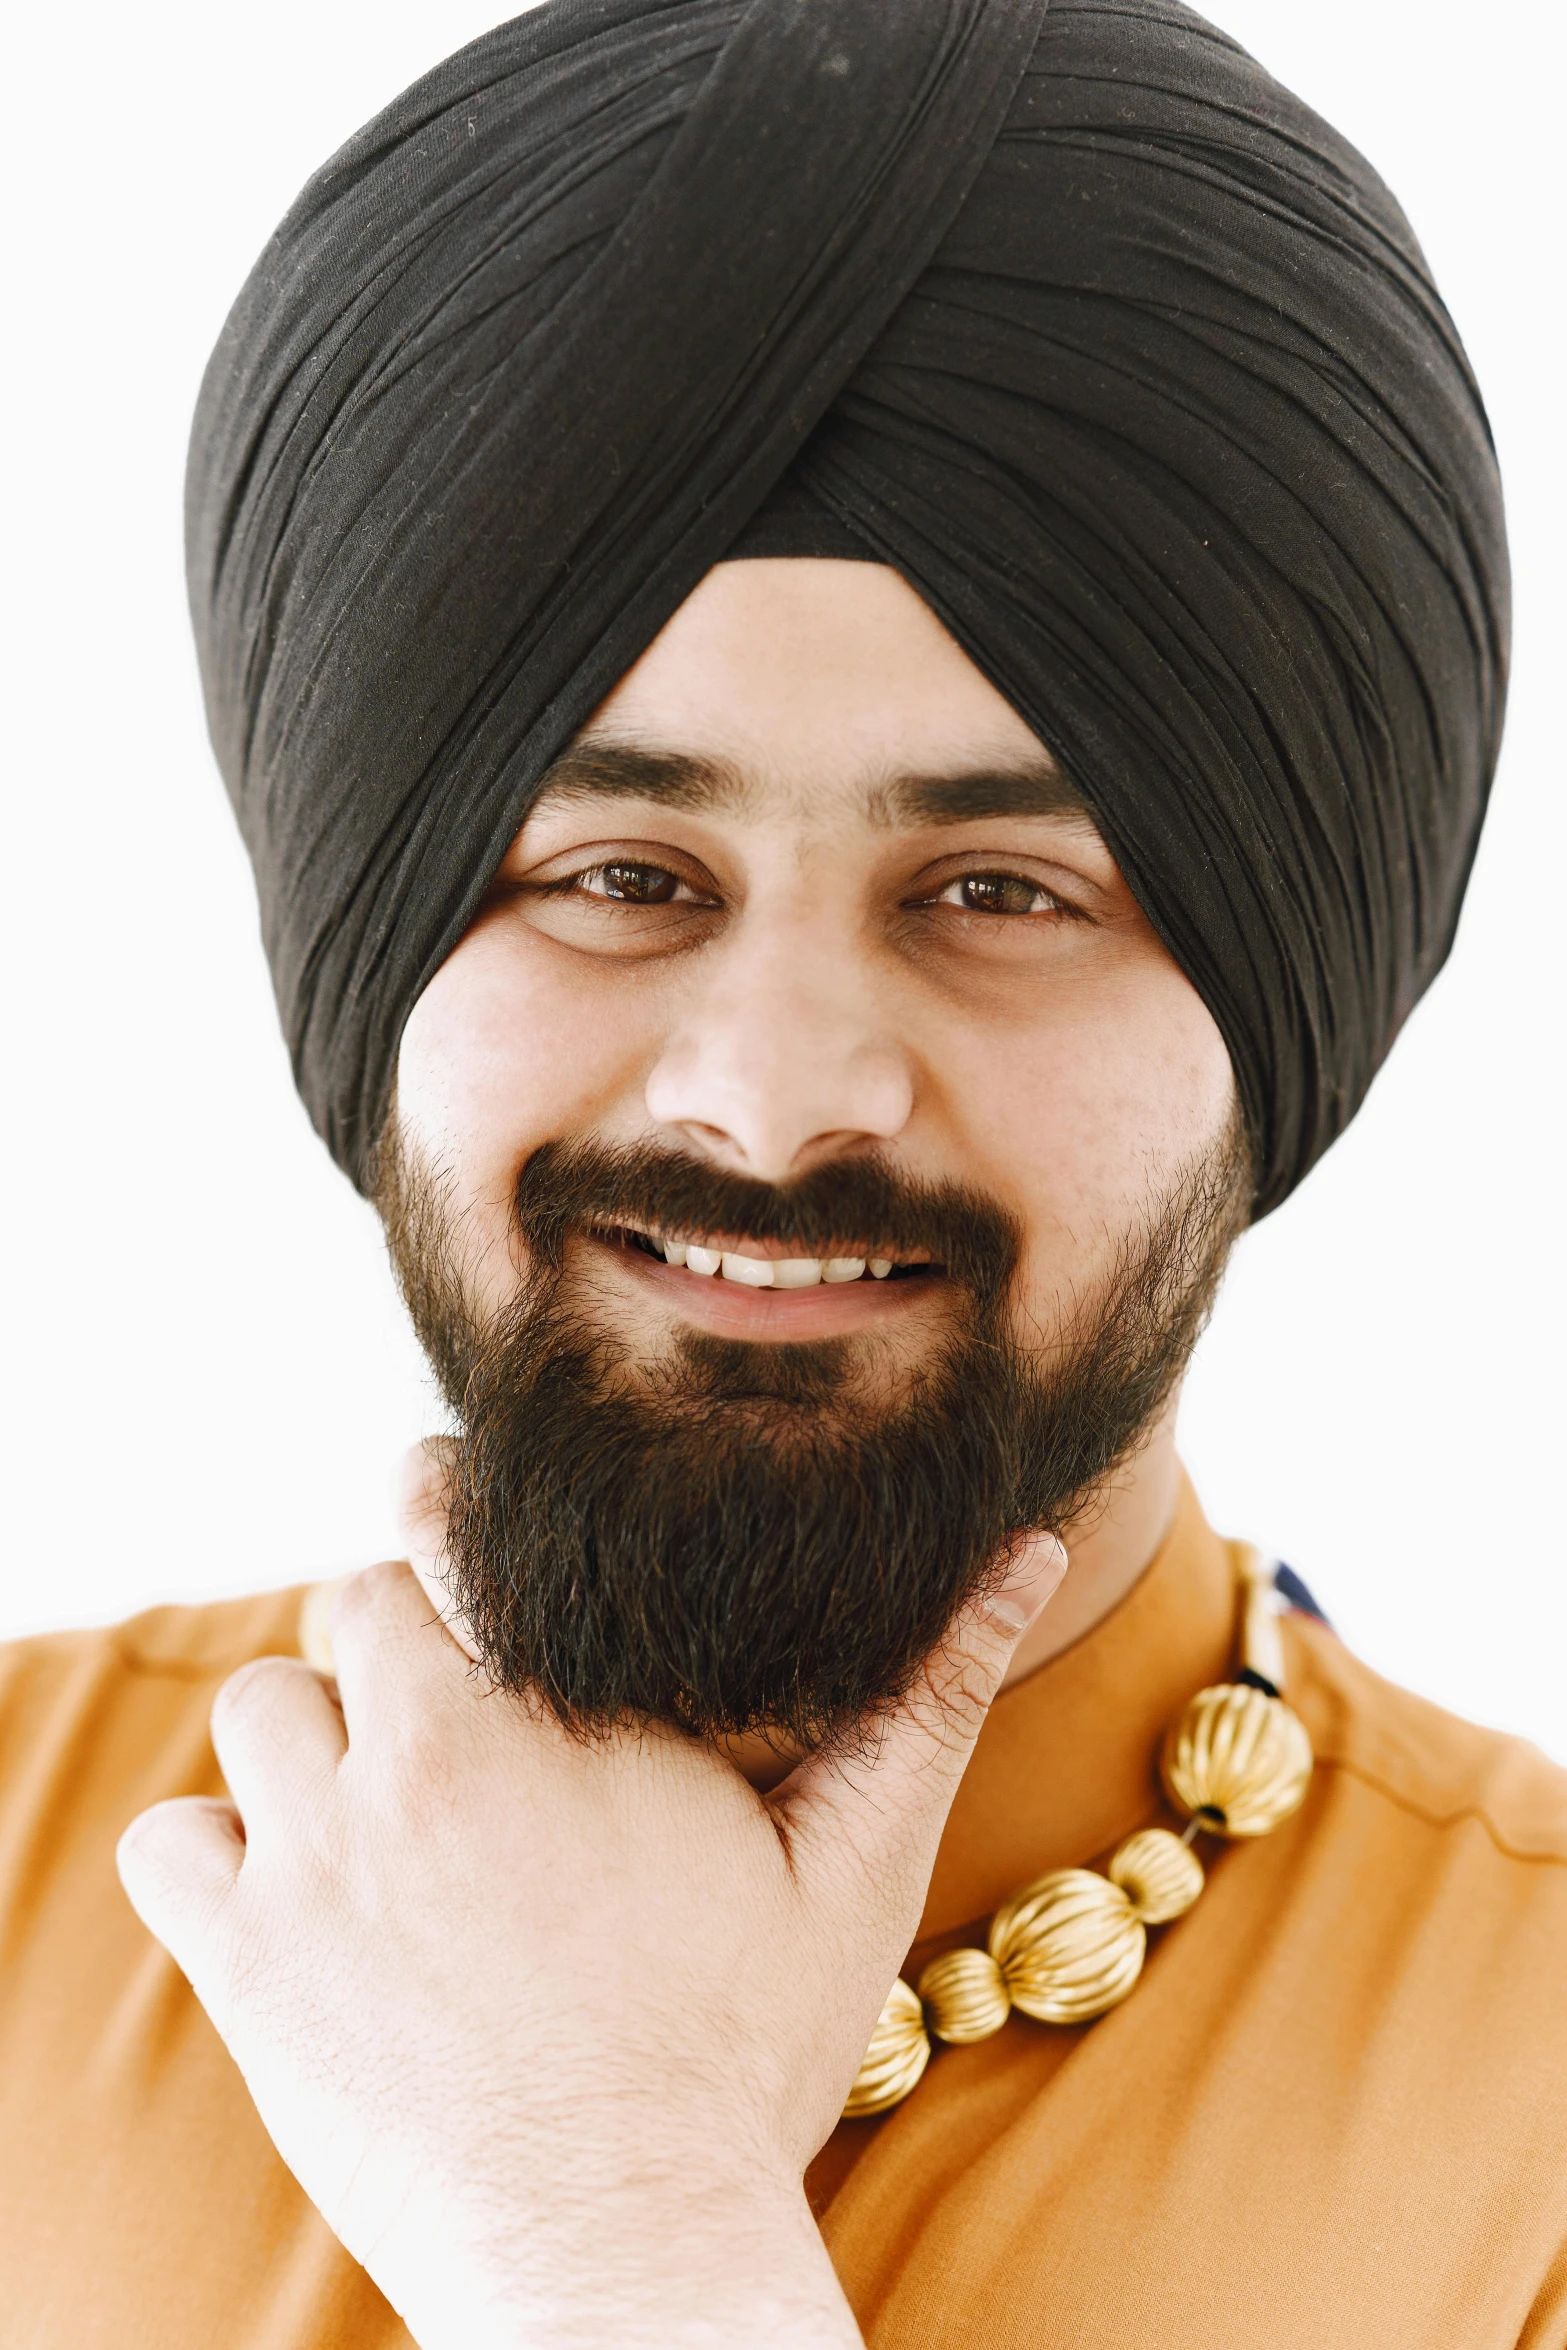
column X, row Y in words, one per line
column 511, row 1045
column 1095, row 1108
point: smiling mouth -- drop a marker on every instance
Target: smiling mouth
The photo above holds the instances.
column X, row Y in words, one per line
column 751, row 1269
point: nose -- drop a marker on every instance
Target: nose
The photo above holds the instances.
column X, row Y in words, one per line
column 783, row 1061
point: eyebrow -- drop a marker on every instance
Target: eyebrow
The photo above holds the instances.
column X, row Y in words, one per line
column 590, row 770
column 597, row 769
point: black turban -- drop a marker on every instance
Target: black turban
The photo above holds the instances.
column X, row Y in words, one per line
column 1129, row 364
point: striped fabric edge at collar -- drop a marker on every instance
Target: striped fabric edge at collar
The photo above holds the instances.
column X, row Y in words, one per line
column 1293, row 1591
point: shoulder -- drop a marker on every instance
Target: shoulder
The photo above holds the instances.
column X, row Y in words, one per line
column 173, row 1644
column 96, row 1724
column 1443, row 1775
column 1424, row 1894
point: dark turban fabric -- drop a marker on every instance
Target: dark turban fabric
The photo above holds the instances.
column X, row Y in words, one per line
column 1128, row 363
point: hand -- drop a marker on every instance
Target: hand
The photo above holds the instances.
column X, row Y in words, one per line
column 549, row 2030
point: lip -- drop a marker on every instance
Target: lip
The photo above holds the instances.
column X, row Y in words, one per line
column 729, row 1310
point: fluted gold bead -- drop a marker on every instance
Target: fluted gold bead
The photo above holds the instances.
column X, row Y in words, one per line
column 964, row 1996
column 1160, row 1877
column 1068, row 1946
column 1240, row 1758
column 898, row 2053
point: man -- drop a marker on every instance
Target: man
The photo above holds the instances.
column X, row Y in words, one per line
column 860, row 653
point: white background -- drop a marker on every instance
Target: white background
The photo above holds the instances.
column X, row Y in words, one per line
column 208, row 1377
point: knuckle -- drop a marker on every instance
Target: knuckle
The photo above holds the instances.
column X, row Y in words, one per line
column 145, row 1839
column 364, row 1598
column 159, row 1857
column 429, row 1773
column 254, row 1689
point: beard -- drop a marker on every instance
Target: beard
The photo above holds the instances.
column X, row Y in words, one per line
column 736, row 1536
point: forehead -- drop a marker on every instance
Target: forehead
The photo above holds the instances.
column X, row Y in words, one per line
column 812, row 685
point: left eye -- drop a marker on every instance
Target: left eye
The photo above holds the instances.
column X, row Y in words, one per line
column 998, row 893
column 636, row 885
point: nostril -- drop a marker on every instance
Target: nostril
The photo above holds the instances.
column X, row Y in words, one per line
column 712, row 1142
column 772, row 1098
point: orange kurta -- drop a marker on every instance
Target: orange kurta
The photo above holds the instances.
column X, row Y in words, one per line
column 1332, row 2113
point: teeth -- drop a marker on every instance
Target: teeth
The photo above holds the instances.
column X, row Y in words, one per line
column 797, row 1272
column 770, row 1272
column 753, row 1272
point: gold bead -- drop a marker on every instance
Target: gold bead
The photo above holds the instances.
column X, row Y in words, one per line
column 965, row 1998
column 898, row 2054
column 1068, row 1946
column 1239, row 1757
column 1160, row 1877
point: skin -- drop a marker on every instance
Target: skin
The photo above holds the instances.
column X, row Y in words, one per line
column 549, row 2031
column 815, row 988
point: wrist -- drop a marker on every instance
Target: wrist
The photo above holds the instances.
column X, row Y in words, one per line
column 693, row 2265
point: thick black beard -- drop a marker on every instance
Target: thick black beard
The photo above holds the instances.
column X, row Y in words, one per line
column 748, row 1537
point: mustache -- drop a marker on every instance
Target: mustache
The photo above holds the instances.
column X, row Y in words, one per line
column 855, row 1207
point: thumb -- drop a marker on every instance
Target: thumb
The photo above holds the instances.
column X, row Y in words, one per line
column 883, row 1803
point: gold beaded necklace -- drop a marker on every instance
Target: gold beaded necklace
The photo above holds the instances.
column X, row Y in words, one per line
column 1071, row 1944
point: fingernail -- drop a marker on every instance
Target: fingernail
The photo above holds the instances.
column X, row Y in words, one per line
column 1008, row 1614
column 1034, row 1575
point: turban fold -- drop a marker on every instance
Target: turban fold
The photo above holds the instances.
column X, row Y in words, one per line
column 1121, row 356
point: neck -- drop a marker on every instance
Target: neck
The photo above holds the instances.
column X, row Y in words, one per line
column 1108, row 1547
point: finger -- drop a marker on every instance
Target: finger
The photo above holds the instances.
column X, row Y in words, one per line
column 421, row 1519
column 279, row 1738
column 391, row 1650
column 179, row 1864
column 881, row 1805
column 421, row 1495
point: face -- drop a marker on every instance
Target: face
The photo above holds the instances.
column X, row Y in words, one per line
column 808, row 1058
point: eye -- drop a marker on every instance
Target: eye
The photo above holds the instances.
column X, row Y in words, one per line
column 629, row 883
column 1000, row 893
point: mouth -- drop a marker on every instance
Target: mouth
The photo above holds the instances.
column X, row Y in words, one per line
column 738, row 1287
column 762, row 1264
